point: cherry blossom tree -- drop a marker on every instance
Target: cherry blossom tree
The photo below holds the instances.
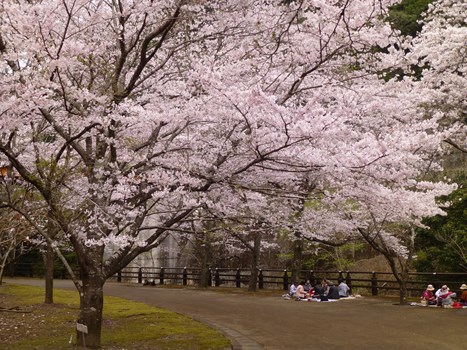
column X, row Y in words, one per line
column 393, row 234
column 14, row 236
column 21, row 198
column 440, row 49
column 15, row 231
column 394, row 208
column 130, row 118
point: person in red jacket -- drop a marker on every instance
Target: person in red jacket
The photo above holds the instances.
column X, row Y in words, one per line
column 463, row 297
column 428, row 298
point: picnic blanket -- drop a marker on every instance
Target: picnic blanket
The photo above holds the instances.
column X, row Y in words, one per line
column 352, row 297
column 453, row 306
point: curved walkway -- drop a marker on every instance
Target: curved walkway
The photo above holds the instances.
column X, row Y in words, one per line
column 268, row 322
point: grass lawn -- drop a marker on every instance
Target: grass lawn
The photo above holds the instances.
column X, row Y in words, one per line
column 31, row 324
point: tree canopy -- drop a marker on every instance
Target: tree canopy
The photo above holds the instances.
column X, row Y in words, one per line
column 134, row 119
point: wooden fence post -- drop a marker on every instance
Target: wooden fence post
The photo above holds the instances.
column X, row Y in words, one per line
column 435, row 282
column 217, row 278
column 312, row 278
column 161, row 276
column 210, row 278
column 238, row 279
column 374, row 284
column 185, row 276
column 140, row 275
column 119, row 276
column 340, row 278
column 286, row 280
column 260, row 279
column 348, row 281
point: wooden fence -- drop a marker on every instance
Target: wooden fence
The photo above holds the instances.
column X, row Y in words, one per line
column 361, row 282
column 278, row 279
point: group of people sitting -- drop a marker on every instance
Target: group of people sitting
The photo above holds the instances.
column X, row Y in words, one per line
column 443, row 297
column 321, row 291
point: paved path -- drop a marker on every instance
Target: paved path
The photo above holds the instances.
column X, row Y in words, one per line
column 268, row 322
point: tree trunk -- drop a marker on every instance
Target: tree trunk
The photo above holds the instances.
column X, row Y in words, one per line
column 403, row 291
column 254, row 262
column 297, row 259
column 253, row 278
column 204, row 276
column 408, row 264
column 4, row 261
column 2, row 269
column 49, row 257
column 404, row 275
column 8, row 248
column 90, row 315
column 206, row 259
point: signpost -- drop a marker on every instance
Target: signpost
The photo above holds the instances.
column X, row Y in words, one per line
column 84, row 330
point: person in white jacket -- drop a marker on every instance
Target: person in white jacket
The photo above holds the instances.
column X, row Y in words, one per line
column 343, row 289
column 444, row 296
column 293, row 289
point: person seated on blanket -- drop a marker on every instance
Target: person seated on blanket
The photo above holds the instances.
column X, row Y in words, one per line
column 463, row 297
column 318, row 290
column 293, row 289
column 300, row 292
column 324, row 283
column 428, row 297
column 444, row 296
column 333, row 291
column 344, row 289
column 307, row 286
column 310, row 291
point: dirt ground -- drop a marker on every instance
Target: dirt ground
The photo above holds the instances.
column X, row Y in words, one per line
column 19, row 322
column 266, row 321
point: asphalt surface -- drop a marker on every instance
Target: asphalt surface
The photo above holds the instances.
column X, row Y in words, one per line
column 256, row 322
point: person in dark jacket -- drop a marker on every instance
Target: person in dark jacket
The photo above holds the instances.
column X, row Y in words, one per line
column 319, row 290
column 333, row 291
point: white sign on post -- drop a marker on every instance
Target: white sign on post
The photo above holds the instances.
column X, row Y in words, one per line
column 82, row 328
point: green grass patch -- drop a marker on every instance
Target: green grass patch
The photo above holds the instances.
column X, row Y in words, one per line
column 127, row 324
